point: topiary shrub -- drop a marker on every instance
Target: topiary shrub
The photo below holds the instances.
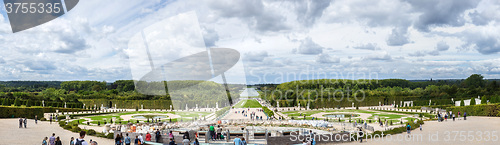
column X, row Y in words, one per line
column 43, row 119
column 91, row 132
column 76, row 129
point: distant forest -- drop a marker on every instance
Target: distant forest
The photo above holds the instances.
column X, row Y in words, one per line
column 328, row 92
column 121, row 92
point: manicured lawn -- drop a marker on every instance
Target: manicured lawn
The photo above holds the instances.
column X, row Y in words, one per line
column 251, row 103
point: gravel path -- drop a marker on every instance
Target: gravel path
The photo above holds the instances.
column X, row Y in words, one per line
column 34, row 133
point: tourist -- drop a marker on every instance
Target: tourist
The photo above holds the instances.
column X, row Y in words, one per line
column 72, row 141
column 50, row 118
column 136, row 140
column 172, row 142
column 148, row 137
column 93, row 143
column 196, row 142
column 185, row 141
column 44, row 142
column 421, row 126
column 36, row 119
column 465, row 115
column 141, row 140
column 212, row 132
column 243, row 142
column 453, row 117
column 52, row 139
column 127, row 140
column 186, row 135
column 58, row 141
column 25, row 122
column 458, row 115
column 21, row 122
column 237, row 140
column 80, row 140
column 304, row 142
column 121, row 139
column 445, row 116
column 158, row 135
column 118, row 139
column 219, row 132
column 408, row 129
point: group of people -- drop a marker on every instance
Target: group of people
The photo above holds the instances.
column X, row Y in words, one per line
column 450, row 115
column 238, row 141
column 53, row 140
column 23, row 121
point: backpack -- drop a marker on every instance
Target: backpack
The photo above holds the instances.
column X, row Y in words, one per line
column 79, row 142
column 408, row 127
column 127, row 140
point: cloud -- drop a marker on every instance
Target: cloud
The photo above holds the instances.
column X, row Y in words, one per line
column 254, row 14
column 398, row 37
column 309, row 47
column 384, row 56
column 256, row 56
column 2, row 61
column 325, row 58
column 368, row 46
column 440, row 13
column 442, row 46
column 210, row 36
column 484, row 42
column 308, row 11
column 417, row 54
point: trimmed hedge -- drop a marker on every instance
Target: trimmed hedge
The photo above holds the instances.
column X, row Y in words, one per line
column 268, row 111
column 30, row 112
column 478, row 110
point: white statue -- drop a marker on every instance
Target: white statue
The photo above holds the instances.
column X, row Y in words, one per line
column 64, row 104
column 83, row 105
column 196, row 106
column 187, row 107
column 217, row 105
column 43, row 103
column 142, row 106
column 170, row 107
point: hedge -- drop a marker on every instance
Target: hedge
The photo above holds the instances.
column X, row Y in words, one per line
column 268, row 111
column 477, row 110
column 30, row 112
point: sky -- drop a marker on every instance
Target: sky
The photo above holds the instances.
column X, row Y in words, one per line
column 278, row 40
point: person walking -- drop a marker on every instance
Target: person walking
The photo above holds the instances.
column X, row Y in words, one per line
column 36, row 119
column 196, row 142
column 212, row 132
column 58, row 141
column 148, row 137
column 237, row 140
column 219, row 132
column 421, row 126
column 465, row 115
column 141, row 139
column 25, row 122
column 21, row 122
column 72, row 141
column 80, row 140
column 117, row 139
column 172, row 142
column 127, row 140
column 50, row 118
column 243, row 142
column 44, row 142
column 408, row 129
column 136, row 140
column 52, row 139
column 171, row 135
column 158, row 135
column 185, row 141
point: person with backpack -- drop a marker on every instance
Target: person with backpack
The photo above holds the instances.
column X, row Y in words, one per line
column 196, row 142
column 465, row 115
column 360, row 133
column 127, row 140
column 44, row 142
column 136, row 141
column 80, row 140
column 408, row 129
column 58, row 141
column 72, row 141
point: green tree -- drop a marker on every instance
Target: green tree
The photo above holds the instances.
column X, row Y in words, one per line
column 475, row 80
column 28, row 103
column 462, row 103
column 473, row 101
